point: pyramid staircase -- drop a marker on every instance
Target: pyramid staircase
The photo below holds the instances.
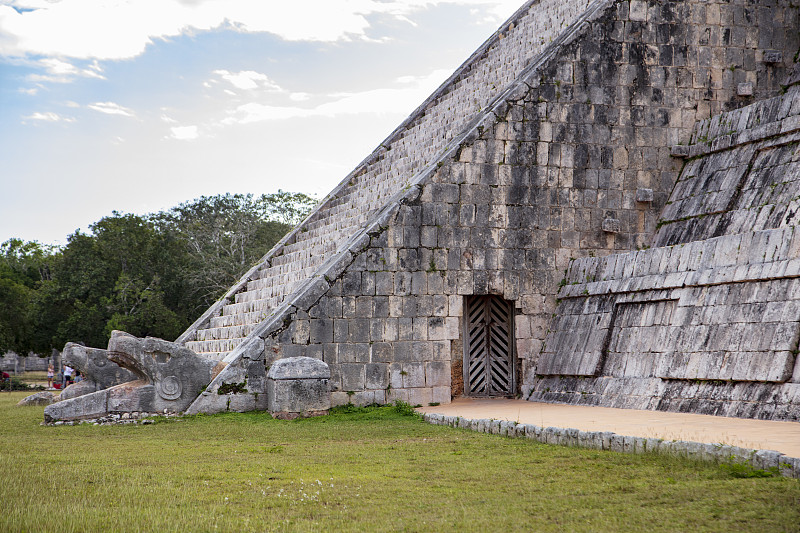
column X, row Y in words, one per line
column 435, row 128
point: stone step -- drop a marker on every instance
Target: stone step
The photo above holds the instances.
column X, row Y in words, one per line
column 253, row 307
column 225, row 332
column 273, row 287
column 216, row 356
column 224, row 321
column 222, row 346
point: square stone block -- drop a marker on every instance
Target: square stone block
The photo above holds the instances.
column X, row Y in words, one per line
column 644, row 195
column 298, row 386
column 745, row 89
column 611, row 225
column 773, row 56
column 679, row 150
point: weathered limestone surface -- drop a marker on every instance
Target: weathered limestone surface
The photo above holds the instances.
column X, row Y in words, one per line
column 298, row 386
column 708, row 325
column 743, row 174
column 502, row 203
column 169, row 377
column 39, row 398
column 97, row 371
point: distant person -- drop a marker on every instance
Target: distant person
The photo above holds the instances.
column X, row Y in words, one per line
column 78, row 377
column 6, row 381
column 50, row 373
column 67, row 375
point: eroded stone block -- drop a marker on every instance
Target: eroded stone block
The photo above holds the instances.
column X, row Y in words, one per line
column 773, row 56
column 680, row 150
column 644, row 195
column 612, row 225
column 745, row 89
column 298, row 387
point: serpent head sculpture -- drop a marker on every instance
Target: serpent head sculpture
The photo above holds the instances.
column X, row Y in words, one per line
column 167, row 377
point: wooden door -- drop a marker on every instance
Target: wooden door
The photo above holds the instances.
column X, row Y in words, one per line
column 489, row 347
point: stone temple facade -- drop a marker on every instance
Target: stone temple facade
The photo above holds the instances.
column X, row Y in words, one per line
column 597, row 207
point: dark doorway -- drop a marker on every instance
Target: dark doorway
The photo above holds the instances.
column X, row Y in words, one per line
column 489, row 368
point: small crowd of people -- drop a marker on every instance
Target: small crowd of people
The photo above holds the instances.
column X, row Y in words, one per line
column 67, row 376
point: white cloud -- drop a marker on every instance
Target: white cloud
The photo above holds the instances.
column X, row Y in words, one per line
column 61, row 71
column 31, row 91
column 184, row 133
column 48, row 116
column 120, row 29
column 248, row 79
column 255, row 112
column 110, row 108
column 401, row 100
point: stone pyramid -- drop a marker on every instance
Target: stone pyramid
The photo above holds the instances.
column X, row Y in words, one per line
column 442, row 264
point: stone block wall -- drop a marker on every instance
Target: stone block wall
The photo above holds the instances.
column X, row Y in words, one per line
column 573, row 160
column 11, row 362
column 709, row 326
column 742, row 175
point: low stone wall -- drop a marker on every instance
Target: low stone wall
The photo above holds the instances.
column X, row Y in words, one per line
column 606, row 440
column 709, row 327
column 11, row 362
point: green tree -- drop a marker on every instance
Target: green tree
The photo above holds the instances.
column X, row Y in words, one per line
column 226, row 234
column 289, row 208
column 15, row 324
column 125, row 274
column 24, row 267
column 147, row 275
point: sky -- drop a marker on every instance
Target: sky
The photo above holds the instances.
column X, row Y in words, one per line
column 137, row 106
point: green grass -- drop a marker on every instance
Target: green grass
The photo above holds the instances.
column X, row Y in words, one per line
column 35, row 377
column 363, row 470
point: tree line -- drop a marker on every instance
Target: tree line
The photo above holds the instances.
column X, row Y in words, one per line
column 145, row 274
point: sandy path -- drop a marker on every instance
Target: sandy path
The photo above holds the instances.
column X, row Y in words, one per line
column 761, row 434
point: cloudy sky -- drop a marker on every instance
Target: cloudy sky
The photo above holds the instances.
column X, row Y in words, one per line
column 139, row 105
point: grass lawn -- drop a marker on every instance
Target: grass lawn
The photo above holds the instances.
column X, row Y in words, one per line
column 35, row 377
column 369, row 470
